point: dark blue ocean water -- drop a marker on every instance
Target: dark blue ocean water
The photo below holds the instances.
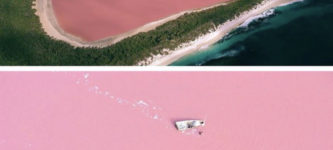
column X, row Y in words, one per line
column 297, row 34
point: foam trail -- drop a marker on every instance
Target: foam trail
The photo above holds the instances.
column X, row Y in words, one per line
column 254, row 18
column 147, row 108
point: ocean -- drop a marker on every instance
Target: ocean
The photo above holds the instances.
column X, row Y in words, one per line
column 298, row 34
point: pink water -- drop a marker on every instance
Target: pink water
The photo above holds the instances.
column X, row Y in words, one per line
column 136, row 110
column 93, row 20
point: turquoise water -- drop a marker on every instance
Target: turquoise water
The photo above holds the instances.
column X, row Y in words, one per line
column 297, row 34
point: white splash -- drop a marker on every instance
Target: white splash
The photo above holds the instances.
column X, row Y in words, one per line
column 155, row 116
column 142, row 103
column 86, row 75
column 263, row 15
column 147, row 109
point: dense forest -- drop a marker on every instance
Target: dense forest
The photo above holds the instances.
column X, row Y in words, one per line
column 23, row 41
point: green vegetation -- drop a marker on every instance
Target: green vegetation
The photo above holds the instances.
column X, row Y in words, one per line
column 23, row 41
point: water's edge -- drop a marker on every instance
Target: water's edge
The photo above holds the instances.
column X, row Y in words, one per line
column 229, row 47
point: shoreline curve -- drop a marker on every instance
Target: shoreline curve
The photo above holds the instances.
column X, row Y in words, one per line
column 48, row 20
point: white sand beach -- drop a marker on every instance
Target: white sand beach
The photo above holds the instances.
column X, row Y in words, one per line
column 206, row 40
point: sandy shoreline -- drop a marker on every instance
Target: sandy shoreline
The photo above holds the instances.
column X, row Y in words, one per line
column 44, row 10
column 49, row 23
column 208, row 39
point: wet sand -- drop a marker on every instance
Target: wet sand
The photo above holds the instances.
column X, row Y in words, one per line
column 136, row 110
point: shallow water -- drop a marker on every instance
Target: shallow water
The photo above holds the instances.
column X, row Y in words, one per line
column 297, row 34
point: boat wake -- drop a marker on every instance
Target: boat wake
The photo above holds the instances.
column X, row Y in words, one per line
column 145, row 107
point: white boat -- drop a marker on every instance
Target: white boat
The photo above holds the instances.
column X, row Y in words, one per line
column 187, row 124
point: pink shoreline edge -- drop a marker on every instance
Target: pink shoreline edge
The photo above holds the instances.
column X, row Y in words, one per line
column 94, row 20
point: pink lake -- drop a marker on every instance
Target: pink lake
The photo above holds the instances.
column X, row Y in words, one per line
column 136, row 110
column 93, row 20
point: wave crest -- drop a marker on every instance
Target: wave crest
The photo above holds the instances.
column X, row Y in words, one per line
column 265, row 14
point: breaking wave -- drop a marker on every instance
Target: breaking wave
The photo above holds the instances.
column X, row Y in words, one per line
column 265, row 14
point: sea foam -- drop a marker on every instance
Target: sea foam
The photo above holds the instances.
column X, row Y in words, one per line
column 265, row 14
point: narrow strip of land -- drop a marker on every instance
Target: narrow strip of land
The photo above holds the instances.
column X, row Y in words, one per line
column 208, row 39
